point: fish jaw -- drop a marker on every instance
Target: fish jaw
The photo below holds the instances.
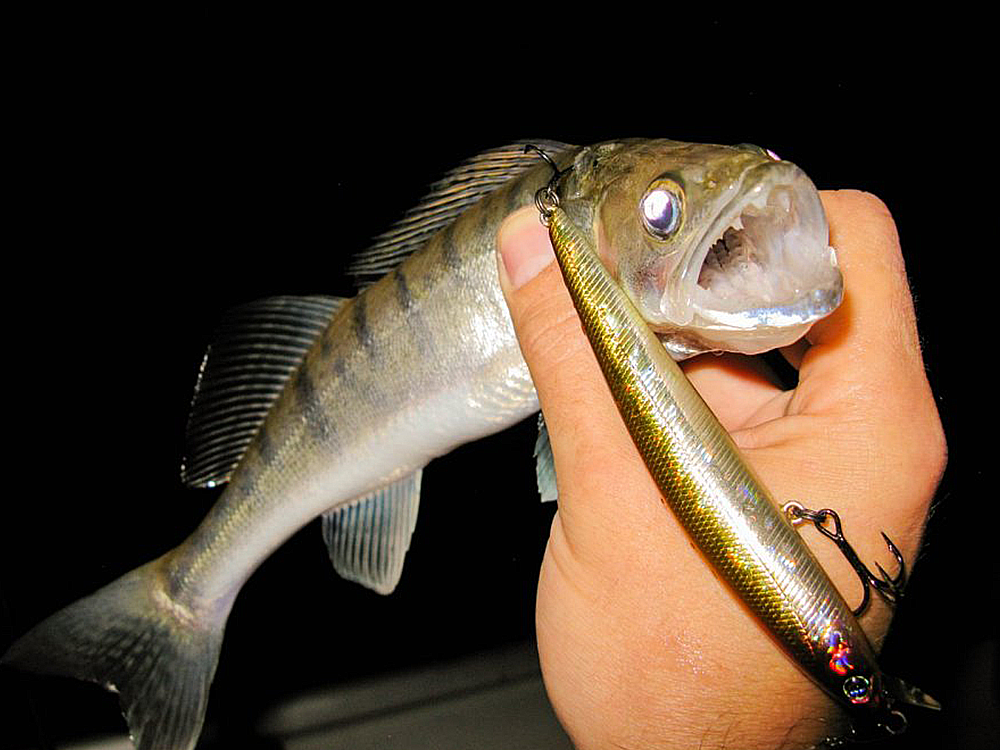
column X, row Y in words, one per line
column 750, row 271
column 765, row 264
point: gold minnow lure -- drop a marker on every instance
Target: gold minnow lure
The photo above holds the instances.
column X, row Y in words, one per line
column 721, row 503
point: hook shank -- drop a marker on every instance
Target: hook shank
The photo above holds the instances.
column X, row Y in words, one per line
column 888, row 587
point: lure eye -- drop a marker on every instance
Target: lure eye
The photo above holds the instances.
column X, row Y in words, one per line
column 662, row 207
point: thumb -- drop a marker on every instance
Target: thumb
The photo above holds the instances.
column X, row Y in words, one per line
column 586, row 431
column 562, row 365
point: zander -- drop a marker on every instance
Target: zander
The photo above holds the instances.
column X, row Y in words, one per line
column 316, row 406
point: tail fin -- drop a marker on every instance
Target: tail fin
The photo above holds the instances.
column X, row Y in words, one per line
column 134, row 640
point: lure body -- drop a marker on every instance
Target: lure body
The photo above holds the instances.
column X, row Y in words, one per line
column 722, row 505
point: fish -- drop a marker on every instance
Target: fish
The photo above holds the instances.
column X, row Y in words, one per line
column 724, row 507
column 316, row 406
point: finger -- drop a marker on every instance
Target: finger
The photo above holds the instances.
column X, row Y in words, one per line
column 544, row 318
column 872, row 336
column 793, row 353
column 741, row 390
column 862, row 415
column 865, row 361
column 566, row 374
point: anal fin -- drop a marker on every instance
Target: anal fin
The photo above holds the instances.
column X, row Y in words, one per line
column 368, row 539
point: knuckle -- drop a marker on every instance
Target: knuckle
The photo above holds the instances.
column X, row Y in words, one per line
column 858, row 200
column 549, row 334
column 871, row 203
column 872, row 211
column 860, row 205
column 936, row 451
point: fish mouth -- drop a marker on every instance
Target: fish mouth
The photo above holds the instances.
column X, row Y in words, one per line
column 765, row 262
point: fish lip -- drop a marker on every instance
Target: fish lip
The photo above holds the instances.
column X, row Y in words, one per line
column 756, row 187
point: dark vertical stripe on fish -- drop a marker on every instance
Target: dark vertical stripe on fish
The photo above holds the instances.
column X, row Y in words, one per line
column 513, row 197
column 403, row 295
column 305, row 392
column 325, row 345
column 265, row 448
column 246, row 483
column 449, row 249
column 359, row 321
column 487, row 211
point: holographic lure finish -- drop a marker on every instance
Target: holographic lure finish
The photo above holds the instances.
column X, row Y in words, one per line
column 724, row 507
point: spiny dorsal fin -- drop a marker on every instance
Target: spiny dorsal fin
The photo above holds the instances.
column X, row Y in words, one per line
column 368, row 539
column 257, row 347
column 447, row 199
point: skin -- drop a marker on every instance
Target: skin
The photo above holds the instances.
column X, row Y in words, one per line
column 640, row 645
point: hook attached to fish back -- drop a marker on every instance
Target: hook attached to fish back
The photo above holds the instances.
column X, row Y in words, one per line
column 889, row 587
column 547, row 199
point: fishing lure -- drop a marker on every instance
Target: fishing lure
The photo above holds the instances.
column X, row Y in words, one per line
column 724, row 507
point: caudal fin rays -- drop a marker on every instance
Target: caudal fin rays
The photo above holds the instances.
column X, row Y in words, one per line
column 131, row 639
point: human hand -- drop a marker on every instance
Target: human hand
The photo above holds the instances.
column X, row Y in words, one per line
column 640, row 645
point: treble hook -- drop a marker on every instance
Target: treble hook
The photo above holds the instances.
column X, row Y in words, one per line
column 546, row 199
column 889, row 587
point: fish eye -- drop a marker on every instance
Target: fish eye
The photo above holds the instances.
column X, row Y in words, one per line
column 662, row 207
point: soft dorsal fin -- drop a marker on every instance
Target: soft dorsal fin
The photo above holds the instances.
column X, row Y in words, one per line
column 368, row 539
column 446, row 200
column 257, row 346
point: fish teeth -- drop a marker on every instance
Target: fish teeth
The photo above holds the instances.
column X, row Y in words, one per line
column 743, row 263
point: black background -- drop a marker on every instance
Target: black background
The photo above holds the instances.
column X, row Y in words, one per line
column 170, row 170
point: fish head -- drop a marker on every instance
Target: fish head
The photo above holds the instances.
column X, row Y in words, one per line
column 721, row 248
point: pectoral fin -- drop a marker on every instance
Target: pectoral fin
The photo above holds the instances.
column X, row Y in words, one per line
column 545, row 468
column 368, row 539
